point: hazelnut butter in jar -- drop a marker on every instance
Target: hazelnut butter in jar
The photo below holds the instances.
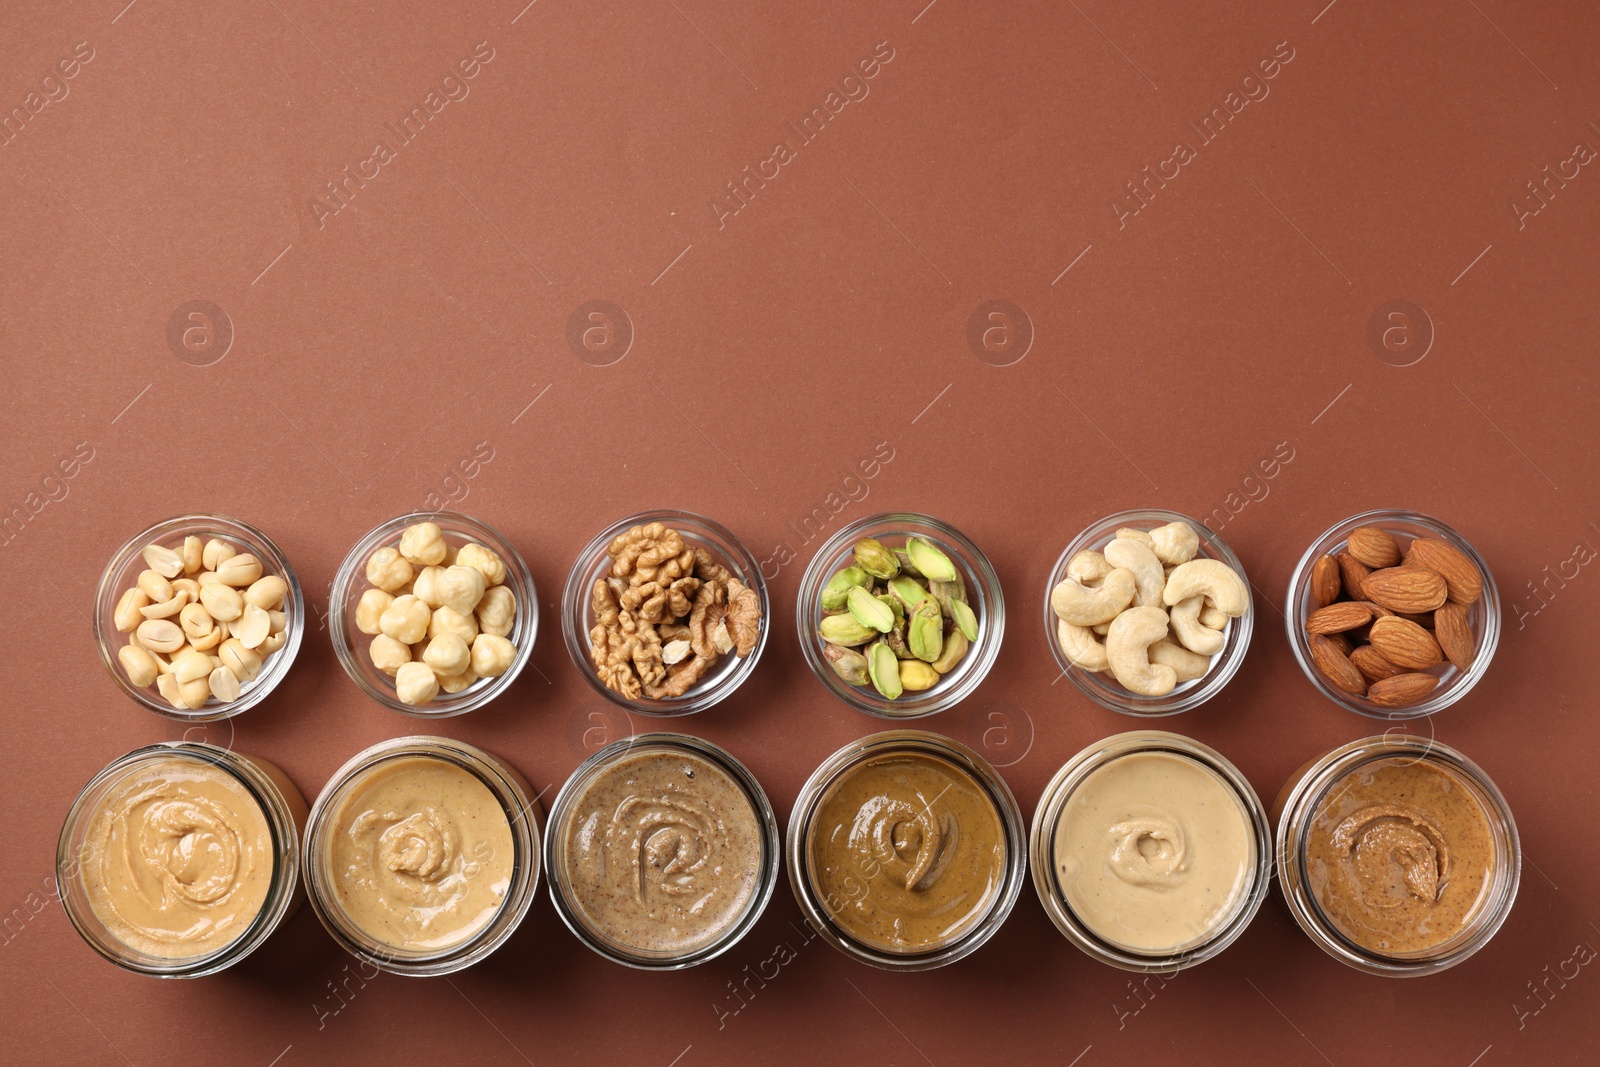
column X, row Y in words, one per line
column 1151, row 852
column 1398, row 856
column 663, row 851
column 180, row 859
column 906, row 850
column 422, row 854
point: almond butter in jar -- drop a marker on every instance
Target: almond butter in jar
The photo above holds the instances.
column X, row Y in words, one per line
column 1397, row 855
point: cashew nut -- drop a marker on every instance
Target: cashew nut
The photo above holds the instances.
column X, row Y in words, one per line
column 1185, row 619
column 1210, row 616
column 1176, row 542
column 1137, row 557
column 1086, row 607
column 1127, row 652
column 1215, row 579
column 1188, row 665
column 1087, row 567
column 1080, row 645
column 1101, row 628
column 1133, row 533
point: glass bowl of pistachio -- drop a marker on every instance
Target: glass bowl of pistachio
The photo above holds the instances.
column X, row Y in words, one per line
column 900, row 615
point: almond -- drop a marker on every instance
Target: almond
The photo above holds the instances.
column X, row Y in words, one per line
column 1335, row 666
column 1402, row 690
column 1459, row 572
column 1374, row 547
column 1405, row 589
column 1370, row 662
column 1405, row 644
column 1454, row 634
column 1325, row 581
column 1353, row 572
column 1341, row 641
column 1335, row 618
column 1378, row 610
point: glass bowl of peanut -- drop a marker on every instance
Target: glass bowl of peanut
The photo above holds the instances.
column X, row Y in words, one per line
column 199, row 618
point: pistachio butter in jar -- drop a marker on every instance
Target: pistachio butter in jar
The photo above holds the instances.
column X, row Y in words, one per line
column 906, row 850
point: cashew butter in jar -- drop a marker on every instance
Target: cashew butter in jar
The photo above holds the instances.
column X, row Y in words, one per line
column 1151, row 852
column 180, row 859
column 423, row 854
column 663, row 851
column 906, row 850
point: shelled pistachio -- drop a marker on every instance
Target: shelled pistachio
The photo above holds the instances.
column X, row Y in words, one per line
column 896, row 618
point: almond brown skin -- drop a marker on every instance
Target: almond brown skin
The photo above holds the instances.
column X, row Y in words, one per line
column 1325, row 581
column 1453, row 631
column 1352, row 572
column 1335, row 666
column 1402, row 690
column 1336, row 618
column 1405, row 644
column 1370, row 662
column 1459, row 572
column 1374, row 547
column 1405, row 589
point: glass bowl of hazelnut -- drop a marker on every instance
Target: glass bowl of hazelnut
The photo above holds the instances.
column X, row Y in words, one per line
column 433, row 614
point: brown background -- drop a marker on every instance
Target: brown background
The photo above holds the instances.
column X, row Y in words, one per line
column 373, row 352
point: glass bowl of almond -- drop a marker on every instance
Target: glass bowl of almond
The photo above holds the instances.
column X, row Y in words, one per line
column 1393, row 614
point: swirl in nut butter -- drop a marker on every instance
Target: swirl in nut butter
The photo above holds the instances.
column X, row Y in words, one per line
column 1154, row 852
column 422, row 856
column 1398, row 855
column 663, row 852
column 178, row 859
column 907, row 852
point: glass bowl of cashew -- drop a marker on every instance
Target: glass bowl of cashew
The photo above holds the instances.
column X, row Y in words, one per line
column 1148, row 613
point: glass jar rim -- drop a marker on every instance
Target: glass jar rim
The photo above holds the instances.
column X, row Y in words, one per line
column 274, row 668
column 1299, row 799
column 283, row 884
column 348, row 583
column 952, row 688
column 575, row 602
column 1186, row 696
column 555, row 844
column 1058, row 793
column 522, row 813
column 922, row 742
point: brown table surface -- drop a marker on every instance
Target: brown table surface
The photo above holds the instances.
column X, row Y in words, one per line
column 370, row 344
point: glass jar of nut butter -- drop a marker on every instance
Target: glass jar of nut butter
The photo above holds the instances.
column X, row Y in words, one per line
column 906, row 850
column 1397, row 855
column 180, row 859
column 423, row 854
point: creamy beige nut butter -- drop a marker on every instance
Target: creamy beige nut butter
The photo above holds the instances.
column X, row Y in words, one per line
column 664, row 852
column 1398, row 855
column 177, row 860
column 907, row 852
column 421, row 853
column 1154, row 852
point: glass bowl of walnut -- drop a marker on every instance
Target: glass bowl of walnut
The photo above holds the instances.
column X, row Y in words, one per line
column 665, row 613
column 433, row 614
